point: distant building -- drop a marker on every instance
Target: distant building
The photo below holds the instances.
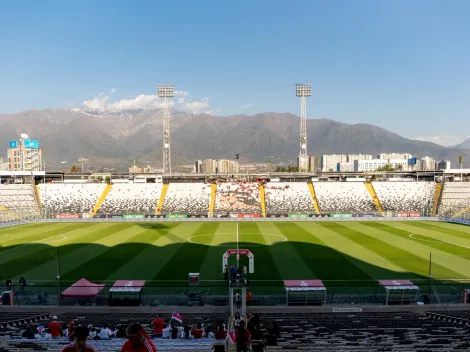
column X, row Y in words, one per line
column 345, row 167
column 329, row 162
column 134, row 169
column 375, row 164
column 353, row 157
column 428, row 164
column 395, row 156
column 443, row 165
column 226, row 166
column 311, row 163
column 198, row 166
column 209, row 166
column 24, row 155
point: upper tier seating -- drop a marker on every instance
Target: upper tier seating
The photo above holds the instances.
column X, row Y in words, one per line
column 288, row 197
column 344, row 197
column 69, row 198
column 238, row 197
column 134, row 198
column 18, row 201
column 187, row 198
column 405, row 196
column 455, row 198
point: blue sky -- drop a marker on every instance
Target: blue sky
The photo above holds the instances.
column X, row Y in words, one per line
column 402, row 64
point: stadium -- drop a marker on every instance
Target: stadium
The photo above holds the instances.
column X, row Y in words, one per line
column 309, row 246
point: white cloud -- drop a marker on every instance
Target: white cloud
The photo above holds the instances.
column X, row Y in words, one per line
column 246, row 106
column 182, row 102
column 113, row 90
column 445, row 140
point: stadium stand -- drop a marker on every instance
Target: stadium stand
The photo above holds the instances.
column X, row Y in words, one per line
column 238, row 197
column 187, row 198
column 405, row 196
column 132, row 199
column 18, row 200
column 288, row 197
column 344, row 197
column 455, row 198
column 60, row 199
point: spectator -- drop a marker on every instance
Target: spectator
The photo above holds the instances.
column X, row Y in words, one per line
column 257, row 343
column 174, row 332
column 238, row 299
column 157, row 327
column 137, row 341
column 105, row 332
column 221, row 334
column 236, row 322
column 8, row 284
column 276, row 330
column 80, row 335
column 242, row 338
column 22, row 284
column 72, row 325
column 272, row 338
column 186, row 333
column 28, row 333
column 121, row 333
column 209, row 333
column 249, row 295
column 166, row 331
column 55, row 328
column 198, row 332
column 245, row 271
column 92, row 333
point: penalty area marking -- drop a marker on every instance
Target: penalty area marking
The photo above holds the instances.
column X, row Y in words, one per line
column 190, row 239
column 435, row 240
column 38, row 242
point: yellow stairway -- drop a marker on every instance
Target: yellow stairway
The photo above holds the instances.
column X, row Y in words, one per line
column 38, row 199
column 212, row 203
column 437, row 193
column 161, row 202
column 314, row 198
column 100, row 200
column 376, row 200
column 262, row 200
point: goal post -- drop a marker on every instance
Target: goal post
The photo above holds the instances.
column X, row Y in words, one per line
column 238, row 252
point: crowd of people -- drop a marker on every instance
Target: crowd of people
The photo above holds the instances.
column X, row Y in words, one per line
column 250, row 333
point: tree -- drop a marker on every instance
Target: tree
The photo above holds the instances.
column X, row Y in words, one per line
column 100, row 179
column 75, row 168
column 386, row 168
column 107, row 179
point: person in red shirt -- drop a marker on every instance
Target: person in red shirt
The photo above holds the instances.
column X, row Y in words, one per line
column 80, row 334
column 157, row 327
column 221, row 334
column 242, row 338
column 71, row 326
column 197, row 332
column 55, row 328
column 137, row 340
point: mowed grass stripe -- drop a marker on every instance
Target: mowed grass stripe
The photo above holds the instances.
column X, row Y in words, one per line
column 188, row 258
column 40, row 236
column 325, row 262
column 25, row 229
column 412, row 255
column 288, row 262
column 47, row 253
column 82, row 254
column 430, row 241
column 224, row 235
column 166, row 241
column 436, row 226
column 22, row 249
column 453, row 226
column 371, row 263
column 415, row 265
column 265, row 264
column 102, row 266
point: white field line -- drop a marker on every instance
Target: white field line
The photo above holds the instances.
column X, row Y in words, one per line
column 190, row 239
column 36, row 242
column 435, row 240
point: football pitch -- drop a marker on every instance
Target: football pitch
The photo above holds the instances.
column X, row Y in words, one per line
column 339, row 253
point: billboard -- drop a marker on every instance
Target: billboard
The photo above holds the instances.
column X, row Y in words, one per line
column 133, row 216
column 176, row 216
column 341, row 215
column 31, row 143
column 13, row 144
column 298, row 215
column 412, row 161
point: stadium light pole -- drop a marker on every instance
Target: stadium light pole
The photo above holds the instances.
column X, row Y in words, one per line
column 303, row 90
column 166, row 91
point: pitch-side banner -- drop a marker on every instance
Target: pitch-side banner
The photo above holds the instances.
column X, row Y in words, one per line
column 247, row 215
column 409, row 215
column 67, row 216
column 341, row 215
column 299, row 216
column 133, row 216
column 160, row 216
column 177, row 216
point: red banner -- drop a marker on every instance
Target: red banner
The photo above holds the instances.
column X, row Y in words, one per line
column 409, row 215
column 248, row 215
column 67, row 216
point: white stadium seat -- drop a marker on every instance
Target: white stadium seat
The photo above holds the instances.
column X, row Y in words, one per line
column 238, row 197
column 405, row 196
column 137, row 198
column 344, row 197
column 18, row 200
column 187, row 198
column 455, row 197
column 288, row 197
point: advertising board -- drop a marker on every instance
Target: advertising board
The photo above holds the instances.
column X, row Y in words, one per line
column 409, row 215
column 247, row 216
column 31, row 143
column 67, row 216
column 177, row 216
column 133, row 216
column 298, row 215
column 341, row 215
column 13, row 144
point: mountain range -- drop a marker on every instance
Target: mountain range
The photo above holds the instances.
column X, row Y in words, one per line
column 112, row 139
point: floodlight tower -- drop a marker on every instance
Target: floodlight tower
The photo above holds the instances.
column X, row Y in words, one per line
column 303, row 90
column 166, row 91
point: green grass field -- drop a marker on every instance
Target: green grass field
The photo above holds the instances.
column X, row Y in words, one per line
column 340, row 253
